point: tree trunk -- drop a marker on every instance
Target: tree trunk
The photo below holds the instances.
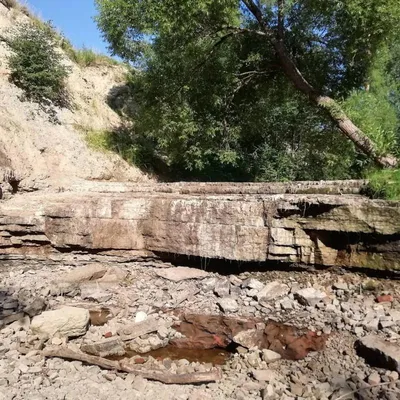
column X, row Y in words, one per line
column 333, row 109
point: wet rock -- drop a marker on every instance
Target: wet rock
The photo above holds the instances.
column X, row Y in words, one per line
column 105, row 348
column 228, row 305
column 222, row 287
column 270, row 356
column 379, row 353
column 272, row 291
column 179, row 274
column 309, row 296
column 86, row 273
column 67, row 321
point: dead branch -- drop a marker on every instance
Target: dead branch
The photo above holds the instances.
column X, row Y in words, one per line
column 167, row 378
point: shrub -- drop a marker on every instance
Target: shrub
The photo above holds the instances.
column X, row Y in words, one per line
column 36, row 65
column 384, row 184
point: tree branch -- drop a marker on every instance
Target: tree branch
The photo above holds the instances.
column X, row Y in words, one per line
column 281, row 19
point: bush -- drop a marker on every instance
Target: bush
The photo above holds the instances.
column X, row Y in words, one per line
column 384, row 184
column 36, row 65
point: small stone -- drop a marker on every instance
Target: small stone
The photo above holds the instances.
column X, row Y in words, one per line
column 252, row 283
column 222, row 287
column 268, row 393
column 387, row 298
column 270, row 356
column 249, row 339
column 139, row 384
column 228, row 305
column 21, row 325
column 341, row 286
column 309, row 296
column 393, row 376
column 95, row 294
column 56, row 341
column 272, row 291
column 35, row 307
column 264, row 375
column 140, row 316
column 374, row 379
column 296, row 389
column 139, row 360
column 108, row 335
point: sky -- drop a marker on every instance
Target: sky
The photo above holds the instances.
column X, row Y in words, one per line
column 74, row 18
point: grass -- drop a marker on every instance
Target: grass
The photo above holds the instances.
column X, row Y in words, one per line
column 384, row 184
column 97, row 139
column 85, row 57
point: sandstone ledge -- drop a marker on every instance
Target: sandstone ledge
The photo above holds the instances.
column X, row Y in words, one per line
column 315, row 229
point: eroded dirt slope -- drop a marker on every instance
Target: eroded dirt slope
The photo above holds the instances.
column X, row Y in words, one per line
column 42, row 154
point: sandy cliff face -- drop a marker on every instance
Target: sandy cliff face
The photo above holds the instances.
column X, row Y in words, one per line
column 40, row 154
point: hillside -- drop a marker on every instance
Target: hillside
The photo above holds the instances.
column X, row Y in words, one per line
column 37, row 154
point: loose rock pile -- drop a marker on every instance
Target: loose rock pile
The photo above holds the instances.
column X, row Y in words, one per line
column 115, row 312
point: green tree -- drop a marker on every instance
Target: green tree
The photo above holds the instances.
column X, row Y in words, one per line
column 226, row 81
column 36, row 65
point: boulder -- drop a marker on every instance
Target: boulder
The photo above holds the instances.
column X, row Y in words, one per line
column 228, row 304
column 67, row 321
column 222, row 288
column 379, row 352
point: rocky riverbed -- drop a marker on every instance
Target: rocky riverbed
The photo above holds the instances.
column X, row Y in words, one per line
column 343, row 340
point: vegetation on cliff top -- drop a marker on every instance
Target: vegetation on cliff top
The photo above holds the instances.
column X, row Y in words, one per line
column 243, row 90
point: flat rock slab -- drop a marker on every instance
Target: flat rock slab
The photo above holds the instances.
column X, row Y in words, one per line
column 67, row 322
column 379, row 352
column 105, row 348
column 133, row 331
column 86, row 273
column 272, row 291
column 181, row 273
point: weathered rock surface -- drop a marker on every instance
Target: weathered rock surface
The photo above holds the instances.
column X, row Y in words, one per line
column 379, row 352
column 329, row 230
column 67, row 321
column 105, row 348
column 181, row 273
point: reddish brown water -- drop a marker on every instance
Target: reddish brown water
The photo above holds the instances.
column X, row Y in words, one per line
column 213, row 356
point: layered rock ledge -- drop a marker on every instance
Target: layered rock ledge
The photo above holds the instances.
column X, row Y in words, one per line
column 292, row 223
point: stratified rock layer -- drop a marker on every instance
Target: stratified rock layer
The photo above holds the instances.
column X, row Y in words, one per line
column 263, row 223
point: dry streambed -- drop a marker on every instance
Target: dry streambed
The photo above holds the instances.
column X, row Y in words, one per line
column 158, row 331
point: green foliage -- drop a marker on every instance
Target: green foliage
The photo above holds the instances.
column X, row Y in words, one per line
column 213, row 102
column 384, row 184
column 86, row 57
column 36, row 66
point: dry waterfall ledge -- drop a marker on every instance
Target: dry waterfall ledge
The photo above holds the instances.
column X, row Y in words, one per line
column 240, row 222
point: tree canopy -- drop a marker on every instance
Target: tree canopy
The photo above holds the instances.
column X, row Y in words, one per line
column 231, row 89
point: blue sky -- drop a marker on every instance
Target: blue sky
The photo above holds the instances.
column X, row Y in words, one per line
column 74, row 18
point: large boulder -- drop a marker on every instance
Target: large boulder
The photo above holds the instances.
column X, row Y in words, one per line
column 66, row 322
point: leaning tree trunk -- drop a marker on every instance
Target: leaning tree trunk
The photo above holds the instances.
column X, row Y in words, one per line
column 333, row 109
